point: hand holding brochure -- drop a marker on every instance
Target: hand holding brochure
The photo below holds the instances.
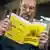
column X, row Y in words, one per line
column 22, row 31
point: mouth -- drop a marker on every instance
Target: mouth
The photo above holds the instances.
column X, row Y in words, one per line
column 26, row 16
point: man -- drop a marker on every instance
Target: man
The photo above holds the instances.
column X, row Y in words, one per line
column 7, row 44
column 28, row 9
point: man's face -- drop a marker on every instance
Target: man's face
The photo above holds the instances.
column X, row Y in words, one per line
column 27, row 8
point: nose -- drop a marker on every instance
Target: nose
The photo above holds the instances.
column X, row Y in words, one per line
column 27, row 10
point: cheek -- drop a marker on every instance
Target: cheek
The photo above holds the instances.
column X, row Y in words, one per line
column 23, row 11
column 31, row 12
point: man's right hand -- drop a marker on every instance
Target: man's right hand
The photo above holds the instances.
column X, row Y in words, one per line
column 4, row 26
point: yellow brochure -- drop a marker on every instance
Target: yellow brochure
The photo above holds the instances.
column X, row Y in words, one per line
column 19, row 28
column 23, row 31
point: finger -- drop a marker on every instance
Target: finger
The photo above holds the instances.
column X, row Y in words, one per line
column 42, row 41
column 45, row 32
column 3, row 30
column 5, row 26
column 6, row 20
column 44, row 36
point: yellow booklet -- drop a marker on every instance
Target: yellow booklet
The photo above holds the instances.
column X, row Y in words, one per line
column 23, row 31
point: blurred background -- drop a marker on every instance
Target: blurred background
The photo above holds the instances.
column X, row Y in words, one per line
column 43, row 7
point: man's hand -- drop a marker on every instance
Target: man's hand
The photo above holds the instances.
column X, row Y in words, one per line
column 43, row 39
column 4, row 26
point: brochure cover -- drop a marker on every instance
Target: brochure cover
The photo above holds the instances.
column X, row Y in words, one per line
column 22, row 31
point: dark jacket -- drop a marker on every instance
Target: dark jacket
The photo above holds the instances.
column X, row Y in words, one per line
column 7, row 44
